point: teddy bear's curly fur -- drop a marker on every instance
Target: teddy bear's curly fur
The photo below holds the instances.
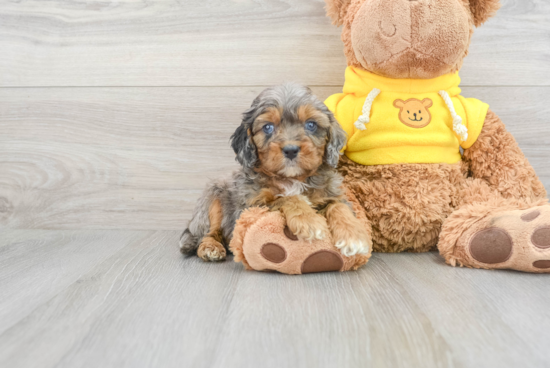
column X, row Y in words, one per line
column 408, row 204
column 418, row 207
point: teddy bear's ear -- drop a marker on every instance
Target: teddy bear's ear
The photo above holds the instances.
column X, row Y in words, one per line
column 337, row 10
column 483, row 10
column 427, row 103
column 399, row 104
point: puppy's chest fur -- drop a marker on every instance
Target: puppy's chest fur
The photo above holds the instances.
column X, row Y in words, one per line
column 292, row 188
column 318, row 190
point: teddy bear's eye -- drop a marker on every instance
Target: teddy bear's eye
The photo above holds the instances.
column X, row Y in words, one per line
column 408, row 112
column 419, row 111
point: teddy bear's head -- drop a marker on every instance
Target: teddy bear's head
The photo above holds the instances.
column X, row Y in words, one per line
column 408, row 38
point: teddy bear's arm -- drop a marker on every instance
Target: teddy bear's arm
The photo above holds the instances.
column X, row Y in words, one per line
column 497, row 159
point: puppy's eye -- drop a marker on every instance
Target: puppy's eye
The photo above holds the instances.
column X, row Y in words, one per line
column 268, row 128
column 311, row 126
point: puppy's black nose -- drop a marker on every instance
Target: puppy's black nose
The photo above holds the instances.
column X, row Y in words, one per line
column 291, row 151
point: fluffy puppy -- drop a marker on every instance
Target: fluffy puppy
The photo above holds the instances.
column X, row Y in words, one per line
column 288, row 145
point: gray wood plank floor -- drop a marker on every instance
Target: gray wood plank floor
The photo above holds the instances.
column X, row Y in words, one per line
column 96, row 298
column 113, row 116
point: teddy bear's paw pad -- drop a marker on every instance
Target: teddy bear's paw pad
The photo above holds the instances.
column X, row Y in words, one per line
column 541, row 237
column 530, row 216
column 323, row 261
column 273, row 252
column 289, row 234
column 543, row 265
column 491, row 246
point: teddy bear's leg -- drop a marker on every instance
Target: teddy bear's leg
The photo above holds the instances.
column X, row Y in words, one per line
column 503, row 220
column 263, row 242
column 496, row 159
column 489, row 231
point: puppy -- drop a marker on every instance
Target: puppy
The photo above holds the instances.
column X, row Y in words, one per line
column 288, row 145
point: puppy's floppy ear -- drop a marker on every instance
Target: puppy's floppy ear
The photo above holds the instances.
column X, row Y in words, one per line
column 483, row 10
column 337, row 139
column 337, row 10
column 241, row 140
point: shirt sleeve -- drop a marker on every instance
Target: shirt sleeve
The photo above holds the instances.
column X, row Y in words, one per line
column 476, row 112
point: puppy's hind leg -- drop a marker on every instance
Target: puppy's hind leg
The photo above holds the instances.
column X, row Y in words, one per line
column 211, row 248
column 188, row 243
column 199, row 225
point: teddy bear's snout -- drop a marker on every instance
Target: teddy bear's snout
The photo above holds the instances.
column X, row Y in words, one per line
column 388, row 29
column 396, row 38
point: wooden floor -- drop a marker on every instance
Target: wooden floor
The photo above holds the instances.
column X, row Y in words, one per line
column 89, row 298
column 113, row 116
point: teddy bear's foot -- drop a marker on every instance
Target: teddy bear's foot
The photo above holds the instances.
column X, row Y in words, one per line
column 514, row 239
column 319, row 261
column 269, row 245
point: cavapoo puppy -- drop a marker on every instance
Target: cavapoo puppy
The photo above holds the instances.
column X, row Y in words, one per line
column 288, row 145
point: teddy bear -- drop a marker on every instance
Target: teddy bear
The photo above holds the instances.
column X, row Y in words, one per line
column 425, row 167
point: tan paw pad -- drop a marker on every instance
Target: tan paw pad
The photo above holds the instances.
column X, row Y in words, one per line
column 541, row 238
column 273, row 252
column 544, row 264
column 530, row 216
column 491, row 246
column 289, row 234
column 323, row 261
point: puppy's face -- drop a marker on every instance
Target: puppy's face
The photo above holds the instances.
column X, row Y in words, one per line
column 289, row 133
column 290, row 143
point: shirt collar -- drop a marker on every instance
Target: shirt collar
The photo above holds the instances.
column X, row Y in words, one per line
column 360, row 82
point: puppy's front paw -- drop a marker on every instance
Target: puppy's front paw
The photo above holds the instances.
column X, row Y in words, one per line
column 351, row 247
column 351, row 238
column 308, row 226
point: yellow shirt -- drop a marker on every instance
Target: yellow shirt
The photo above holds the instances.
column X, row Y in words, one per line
column 409, row 120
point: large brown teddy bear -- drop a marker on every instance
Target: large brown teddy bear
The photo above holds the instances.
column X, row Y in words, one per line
column 428, row 168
